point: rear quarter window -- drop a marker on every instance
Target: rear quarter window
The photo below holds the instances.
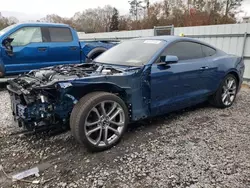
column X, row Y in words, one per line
column 208, row 51
column 58, row 34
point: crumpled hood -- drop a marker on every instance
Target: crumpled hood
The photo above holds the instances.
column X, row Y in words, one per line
column 48, row 76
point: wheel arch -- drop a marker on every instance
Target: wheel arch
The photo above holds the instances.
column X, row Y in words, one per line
column 231, row 71
column 236, row 75
column 96, row 52
column 215, row 99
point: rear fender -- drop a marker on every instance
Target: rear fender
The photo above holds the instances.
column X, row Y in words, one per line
column 235, row 73
column 238, row 70
column 228, row 64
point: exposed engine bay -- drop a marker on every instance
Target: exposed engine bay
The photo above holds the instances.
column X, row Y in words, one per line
column 42, row 97
column 48, row 76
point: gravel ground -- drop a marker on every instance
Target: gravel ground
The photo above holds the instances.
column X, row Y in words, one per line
column 197, row 147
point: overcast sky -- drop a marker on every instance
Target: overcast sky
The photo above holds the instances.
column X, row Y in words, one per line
column 67, row 8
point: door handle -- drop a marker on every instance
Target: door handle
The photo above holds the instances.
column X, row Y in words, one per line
column 42, row 49
column 73, row 48
column 204, row 68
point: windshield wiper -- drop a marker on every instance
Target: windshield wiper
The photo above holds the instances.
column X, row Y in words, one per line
column 132, row 68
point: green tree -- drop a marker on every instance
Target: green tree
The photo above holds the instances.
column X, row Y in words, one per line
column 114, row 20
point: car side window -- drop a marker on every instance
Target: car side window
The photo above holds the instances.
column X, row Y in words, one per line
column 26, row 35
column 60, row 34
column 208, row 51
column 184, row 50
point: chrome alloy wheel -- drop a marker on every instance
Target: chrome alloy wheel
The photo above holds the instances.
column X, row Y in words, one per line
column 229, row 91
column 105, row 123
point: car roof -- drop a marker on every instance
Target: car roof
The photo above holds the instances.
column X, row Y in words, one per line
column 40, row 24
column 169, row 38
column 172, row 38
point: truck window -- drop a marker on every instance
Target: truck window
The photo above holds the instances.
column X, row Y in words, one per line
column 58, row 34
column 26, row 35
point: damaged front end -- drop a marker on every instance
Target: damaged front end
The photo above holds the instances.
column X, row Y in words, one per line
column 39, row 99
column 43, row 99
column 40, row 108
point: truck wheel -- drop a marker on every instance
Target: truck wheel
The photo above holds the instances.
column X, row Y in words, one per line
column 99, row 120
column 226, row 93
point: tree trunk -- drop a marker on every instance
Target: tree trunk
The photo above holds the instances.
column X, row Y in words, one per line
column 227, row 8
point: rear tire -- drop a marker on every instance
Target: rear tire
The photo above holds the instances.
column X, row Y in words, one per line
column 99, row 120
column 225, row 95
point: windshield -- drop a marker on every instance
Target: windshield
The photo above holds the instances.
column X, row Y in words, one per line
column 131, row 53
column 7, row 29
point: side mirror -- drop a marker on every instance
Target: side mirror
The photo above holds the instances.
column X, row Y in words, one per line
column 171, row 59
column 7, row 44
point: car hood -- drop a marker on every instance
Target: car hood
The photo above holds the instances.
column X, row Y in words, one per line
column 47, row 77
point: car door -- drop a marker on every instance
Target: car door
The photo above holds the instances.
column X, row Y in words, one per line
column 178, row 85
column 63, row 47
column 212, row 73
column 29, row 51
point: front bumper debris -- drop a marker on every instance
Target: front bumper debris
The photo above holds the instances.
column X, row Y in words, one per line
column 37, row 112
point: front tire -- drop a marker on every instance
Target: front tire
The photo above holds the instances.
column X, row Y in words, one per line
column 225, row 95
column 99, row 120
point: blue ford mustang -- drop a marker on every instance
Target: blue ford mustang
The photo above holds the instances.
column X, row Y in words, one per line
column 136, row 79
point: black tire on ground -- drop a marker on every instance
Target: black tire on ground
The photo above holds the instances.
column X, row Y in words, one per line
column 216, row 98
column 80, row 113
